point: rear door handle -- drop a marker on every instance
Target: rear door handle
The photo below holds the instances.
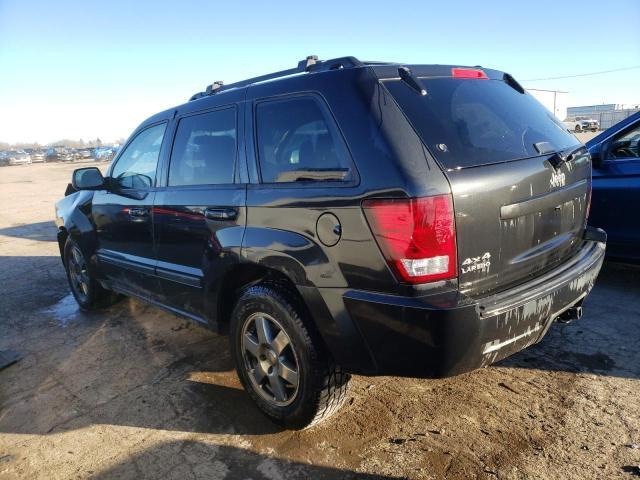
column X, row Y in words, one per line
column 138, row 211
column 221, row 213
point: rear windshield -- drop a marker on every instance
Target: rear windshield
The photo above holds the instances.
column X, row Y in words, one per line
column 476, row 122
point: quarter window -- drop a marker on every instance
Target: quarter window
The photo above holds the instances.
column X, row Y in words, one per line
column 299, row 142
column 136, row 167
column 204, row 150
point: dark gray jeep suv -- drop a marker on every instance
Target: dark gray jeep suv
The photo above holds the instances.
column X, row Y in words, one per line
column 344, row 217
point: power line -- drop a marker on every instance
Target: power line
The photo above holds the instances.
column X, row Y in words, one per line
column 583, row 74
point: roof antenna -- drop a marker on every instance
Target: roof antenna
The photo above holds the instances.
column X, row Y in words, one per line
column 214, row 87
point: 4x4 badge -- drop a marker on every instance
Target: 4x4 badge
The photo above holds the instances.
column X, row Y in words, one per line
column 474, row 264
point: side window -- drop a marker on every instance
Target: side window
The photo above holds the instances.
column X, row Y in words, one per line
column 136, row 167
column 626, row 145
column 298, row 141
column 204, row 149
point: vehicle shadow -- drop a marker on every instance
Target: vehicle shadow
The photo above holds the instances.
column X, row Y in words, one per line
column 135, row 365
column 603, row 341
column 29, row 283
column 130, row 365
column 192, row 459
column 42, row 231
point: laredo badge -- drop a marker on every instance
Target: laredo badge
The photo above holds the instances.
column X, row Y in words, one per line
column 475, row 264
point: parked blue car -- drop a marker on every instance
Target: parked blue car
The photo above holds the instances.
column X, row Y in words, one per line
column 103, row 154
column 616, row 187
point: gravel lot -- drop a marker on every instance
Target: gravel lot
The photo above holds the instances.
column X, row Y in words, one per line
column 134, row 392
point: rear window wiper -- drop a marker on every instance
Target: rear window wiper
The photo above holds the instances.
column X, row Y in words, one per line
column 412, row 82
column 558, row 157
column 572, row 152
column 512, row 82
column 313, row 175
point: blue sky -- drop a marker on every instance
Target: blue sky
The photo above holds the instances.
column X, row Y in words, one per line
column 85, row 69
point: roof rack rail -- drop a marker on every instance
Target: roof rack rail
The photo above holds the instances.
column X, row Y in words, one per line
column 214, row 87
column 310, row 64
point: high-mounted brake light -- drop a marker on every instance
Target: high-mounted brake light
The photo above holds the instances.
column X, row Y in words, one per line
column 416, row 236
column 475, row 73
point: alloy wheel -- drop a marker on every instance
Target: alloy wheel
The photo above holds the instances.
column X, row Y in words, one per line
column 269, row 359
column 78, row 273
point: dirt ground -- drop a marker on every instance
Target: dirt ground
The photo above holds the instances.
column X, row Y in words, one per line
column 138, row 393
column 586, row 136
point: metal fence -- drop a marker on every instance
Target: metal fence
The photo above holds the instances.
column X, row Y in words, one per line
column 610, row 118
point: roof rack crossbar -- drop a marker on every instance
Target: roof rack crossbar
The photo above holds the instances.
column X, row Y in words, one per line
column 310, row 64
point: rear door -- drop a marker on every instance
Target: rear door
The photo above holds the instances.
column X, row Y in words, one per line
column 516, row 213
column 122, row 214
column 616, row 193
column 199, row 216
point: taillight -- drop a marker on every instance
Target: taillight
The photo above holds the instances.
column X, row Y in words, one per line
column 476, row 73
column 416, row 236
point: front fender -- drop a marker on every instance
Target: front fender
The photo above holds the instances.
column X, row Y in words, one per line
column 73, row 220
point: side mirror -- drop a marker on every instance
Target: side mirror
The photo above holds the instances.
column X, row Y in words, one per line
column 89, row 178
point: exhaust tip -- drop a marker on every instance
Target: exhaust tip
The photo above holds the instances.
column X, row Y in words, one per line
column 568, row 316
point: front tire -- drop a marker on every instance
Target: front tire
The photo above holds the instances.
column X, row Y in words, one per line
column 87, row 291
column 281, row 362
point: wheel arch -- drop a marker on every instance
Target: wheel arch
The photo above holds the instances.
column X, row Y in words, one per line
column 62, row 236
column 328, row 322
column 285, row 258
column 72, row 213
column 79, row 228
column 220, row 301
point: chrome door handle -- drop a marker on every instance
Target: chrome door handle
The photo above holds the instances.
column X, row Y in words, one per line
column 138, row 211
column 221, row 213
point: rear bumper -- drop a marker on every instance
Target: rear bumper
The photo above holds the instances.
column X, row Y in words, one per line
column 440, row 337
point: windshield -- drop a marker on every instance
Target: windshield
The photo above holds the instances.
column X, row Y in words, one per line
column 466, row 122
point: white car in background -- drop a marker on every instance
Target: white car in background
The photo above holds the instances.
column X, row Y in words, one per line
column 581, row 124
column 18, row 157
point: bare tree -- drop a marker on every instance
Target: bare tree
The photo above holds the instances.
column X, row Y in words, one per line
column 63, row 142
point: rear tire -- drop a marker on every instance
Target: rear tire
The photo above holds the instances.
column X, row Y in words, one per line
column 280, row 361
column 87, row 291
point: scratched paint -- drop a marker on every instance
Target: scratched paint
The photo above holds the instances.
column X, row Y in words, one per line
column 522, row 326
column 583, row 282
column 539, row 308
